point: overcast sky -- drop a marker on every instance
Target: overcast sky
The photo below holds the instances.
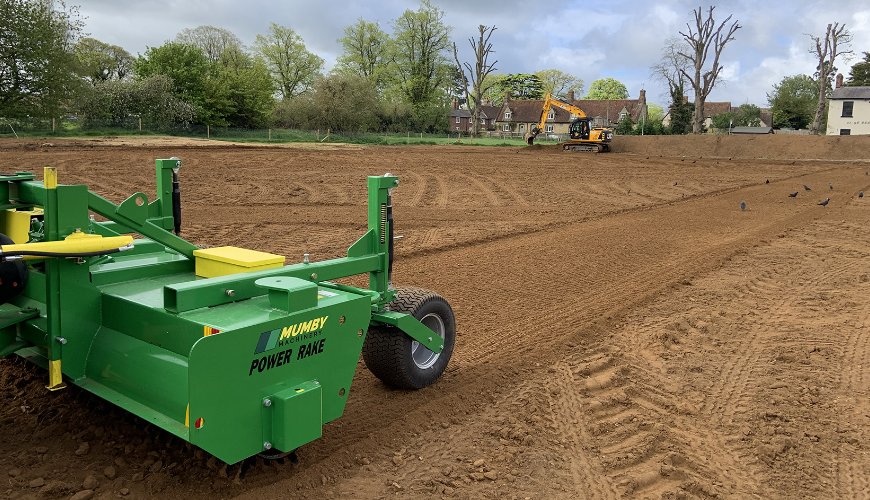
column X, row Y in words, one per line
column 618, row 38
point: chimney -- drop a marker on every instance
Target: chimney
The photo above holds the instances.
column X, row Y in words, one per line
column 455, row 103
column 507, row 96
column 642, row 99
column 839, row 80
column 571, row 95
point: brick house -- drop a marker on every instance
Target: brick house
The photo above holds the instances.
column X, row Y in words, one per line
column 520, row 115
column 460, row 119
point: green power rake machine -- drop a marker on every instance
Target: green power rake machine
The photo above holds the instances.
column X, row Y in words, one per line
column 225, row 347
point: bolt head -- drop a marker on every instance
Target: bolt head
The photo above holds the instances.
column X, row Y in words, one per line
column 61, row 340
column 230, row 293
column 267, row 445
column 267, row 402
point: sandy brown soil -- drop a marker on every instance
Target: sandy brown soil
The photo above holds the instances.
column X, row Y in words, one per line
column 624, row 329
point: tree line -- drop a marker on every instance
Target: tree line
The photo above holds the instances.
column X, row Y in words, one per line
column 397, row 81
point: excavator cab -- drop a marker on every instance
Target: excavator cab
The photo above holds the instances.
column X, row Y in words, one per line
column 579, row 129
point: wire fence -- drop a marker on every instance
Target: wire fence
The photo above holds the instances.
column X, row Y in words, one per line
column 133, row 126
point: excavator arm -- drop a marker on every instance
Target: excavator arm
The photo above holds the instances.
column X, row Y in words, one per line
column 549, row 103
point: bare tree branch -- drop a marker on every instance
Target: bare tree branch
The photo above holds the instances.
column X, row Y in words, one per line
column 474, row 81
column 835, row 43
column 699, row 39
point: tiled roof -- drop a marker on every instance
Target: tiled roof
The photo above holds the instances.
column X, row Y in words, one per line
column 716, row 108
column 462, row 113
column 610, row 108
column 851, row 93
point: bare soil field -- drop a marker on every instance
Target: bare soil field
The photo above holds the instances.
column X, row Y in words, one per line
column 624, row 328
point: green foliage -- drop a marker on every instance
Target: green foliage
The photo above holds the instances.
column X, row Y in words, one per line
column 186, row 65
column 518, row 86
column 747, row 115
column 859, row 75
column 680, row 111
column 494, row 93
column 98, row 61
column 366, row 52
column 558, row 83
column 723, row 121
column 607, row 88
column 625, row 126
column 421, row 40
column 655, row 113
column 236, row 89
column 325, row 107
column 293, row 68
column 115, row 103
column 36, row 59
column 793, row 102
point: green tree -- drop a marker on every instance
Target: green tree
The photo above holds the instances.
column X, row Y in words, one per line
column 655, row 113
column 244, row 87
column 366, row 52
column 521, row 86
column 681, row 110
column 859, row 75
column 421, row 41
column 625, row 126
column 607, row 88
column 793, row 102
column 329, row 94
column 494, row 92
column 213, row 41
column 113, row 103
column 558, row 83
column 98, row 61
column 293, row 67
column 186, row 65
column 747, row 115
column 36, row 58
column 724, row 121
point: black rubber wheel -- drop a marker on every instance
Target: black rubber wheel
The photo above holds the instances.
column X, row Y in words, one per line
column 404, row 363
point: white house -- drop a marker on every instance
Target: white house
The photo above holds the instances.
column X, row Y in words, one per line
column 849, row 110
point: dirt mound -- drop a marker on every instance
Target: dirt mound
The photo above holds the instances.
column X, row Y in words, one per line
column 782, row 147
column 624, row 328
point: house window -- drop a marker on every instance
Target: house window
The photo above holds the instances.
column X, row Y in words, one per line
column 847, row 109
column 457, row 119
column 507, row 115
column 506, row 127
column 549, row 128
column 551, row 115
column 845, row 131
column 622, row 116
column 522, row 127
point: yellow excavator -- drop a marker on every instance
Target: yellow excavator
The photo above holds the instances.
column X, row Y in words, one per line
column 582, row 137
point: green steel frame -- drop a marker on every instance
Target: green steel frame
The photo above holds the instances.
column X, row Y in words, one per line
column 236, row 364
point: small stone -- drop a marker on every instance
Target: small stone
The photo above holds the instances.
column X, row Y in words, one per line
column 491, row 475
column 83, row 495
column 397, row 460
column 83, row 449
column 447, row 471
column 41, row 449
column 138, row 476
column 156, row 466
column 110, row 472
column 124, row 491
column 323, row 480
column 14, row 472
column 477, row 476
column 448, row 490
column 396, row 485
column 37, row 483
column 365, row 461
column 90, row 482
column 478, row 463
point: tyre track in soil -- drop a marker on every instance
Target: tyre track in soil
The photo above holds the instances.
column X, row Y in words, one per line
column 691, row 237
